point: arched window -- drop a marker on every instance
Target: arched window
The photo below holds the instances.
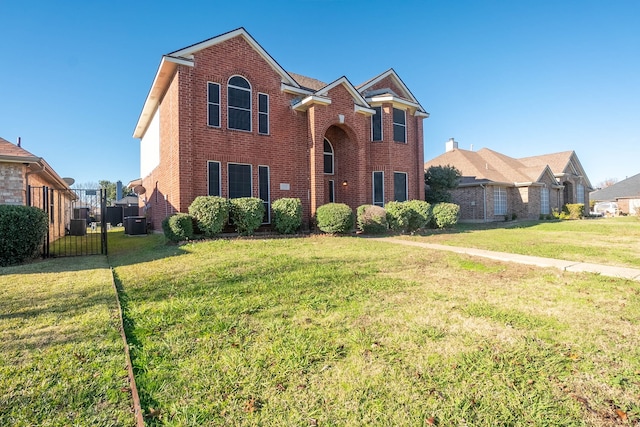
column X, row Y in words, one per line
column 239, row 103
column 328, row 157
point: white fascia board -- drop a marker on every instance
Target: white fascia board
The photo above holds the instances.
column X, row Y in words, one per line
column 350, row 88
column 294, row 90
column 414, row 108
column 364, row 110
column 422, row 114
column 19, row 159
column 309, row 101
column 190, row 50
column 167, row 68
column 527, row 184
column 180, row 61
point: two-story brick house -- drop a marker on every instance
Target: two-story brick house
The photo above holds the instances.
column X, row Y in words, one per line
column 224, row 118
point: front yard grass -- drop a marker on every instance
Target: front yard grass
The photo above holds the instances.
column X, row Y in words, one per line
column 612, row 241
column 62, row 360
column 344, row 331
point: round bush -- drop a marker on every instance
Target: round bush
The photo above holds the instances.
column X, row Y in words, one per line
column 335, row 218
column 287, row 215
column 372, row 219
column 211, row 214
column 409, row 216
column 247, row 213
column 178, row 227
column 445, row 215
column 420, row 214
column 23, row 229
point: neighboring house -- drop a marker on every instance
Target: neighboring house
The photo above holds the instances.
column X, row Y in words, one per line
column 626, row 193
column 224, row 118
column 495, row 186
column 28, row 180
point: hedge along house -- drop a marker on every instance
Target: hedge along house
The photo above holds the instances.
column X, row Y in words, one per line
column 224, row 118
column 28, row 180
column 495, row 187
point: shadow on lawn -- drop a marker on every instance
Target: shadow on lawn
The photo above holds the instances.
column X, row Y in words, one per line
column 468, row 227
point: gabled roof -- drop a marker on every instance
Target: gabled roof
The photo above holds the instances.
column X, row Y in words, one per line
column 406, row 99
column 184, row 56
column 564, row 162
column 308, row 83
column 626, row 188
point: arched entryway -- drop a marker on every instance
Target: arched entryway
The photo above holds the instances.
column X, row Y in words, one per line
column 342, row 167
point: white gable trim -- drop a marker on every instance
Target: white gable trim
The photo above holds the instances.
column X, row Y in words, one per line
column 307, row 102
column 350, row 88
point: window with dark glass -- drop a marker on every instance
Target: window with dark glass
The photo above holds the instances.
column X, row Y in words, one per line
column 400, row 186
column 328, row 157
column 399, row 125
column 239, row 99
column 214, row 179
column 263, row 192
column 376, row 125
column 263, row 113
column 378, row 188
column 239, row 180
column 332, row 186
column 213, row 104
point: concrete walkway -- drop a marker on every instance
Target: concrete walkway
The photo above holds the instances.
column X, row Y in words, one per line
column 573, row 266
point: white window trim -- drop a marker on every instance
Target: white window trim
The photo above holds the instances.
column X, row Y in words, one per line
column 238, row 108
column 496, row 198
column 381, row 126
column 250, row 177
column 333, row 157
column 268, row 201
column 219, row 176
column 267, row 113
column 406, row 185
column 219, row 104
column 373, row 188
column 404, row 125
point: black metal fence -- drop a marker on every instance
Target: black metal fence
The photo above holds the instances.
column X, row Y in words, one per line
column 77, row 220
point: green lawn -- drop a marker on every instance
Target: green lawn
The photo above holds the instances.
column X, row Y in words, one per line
column 62, row 361
column 345, row 331
column 613, row 241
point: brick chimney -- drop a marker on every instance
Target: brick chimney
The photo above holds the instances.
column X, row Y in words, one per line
column 451, row 145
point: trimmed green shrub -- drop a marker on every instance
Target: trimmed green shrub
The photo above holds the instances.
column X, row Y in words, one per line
column 408, row 216
column 287, row 215
column 178, row 227
column 372, row 219
column 211, row 214
column 573, row 211
column 335, row 218
column 445, row 215
column 247, row 213
column 23, row 229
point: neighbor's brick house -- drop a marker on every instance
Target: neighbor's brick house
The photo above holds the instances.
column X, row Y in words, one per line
column 28, row 180
column 494, row 186
column 224, row 118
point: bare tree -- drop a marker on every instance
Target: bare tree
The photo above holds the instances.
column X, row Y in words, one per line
column 607, row 182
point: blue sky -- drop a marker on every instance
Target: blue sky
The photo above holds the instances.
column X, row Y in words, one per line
column 519, row 77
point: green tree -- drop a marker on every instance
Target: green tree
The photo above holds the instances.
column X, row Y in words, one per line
column 439, row 181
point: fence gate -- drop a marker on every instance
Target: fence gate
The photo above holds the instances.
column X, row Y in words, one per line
column 77, row 220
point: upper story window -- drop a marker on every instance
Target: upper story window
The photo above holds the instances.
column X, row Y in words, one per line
column 376, row 125
column 399, row 125
column 213, row 104
column 328, row 157
column 239, row 99
column 263, row 113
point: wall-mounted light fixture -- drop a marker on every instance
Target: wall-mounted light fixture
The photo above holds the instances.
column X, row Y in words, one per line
column 345, row 183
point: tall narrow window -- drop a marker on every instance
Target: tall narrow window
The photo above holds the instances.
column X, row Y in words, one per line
column 580, row 193
column 239, row 100
column 263, row 191
column 328, row 157
column 214, row 178
column 378, row 188
column 239, row 177
column 400, row 186
column 544, row 201
column 376, row 125
column 499, row 201
column 213, row 104
column 332, row 192
column 399, row 125
column 263, row 113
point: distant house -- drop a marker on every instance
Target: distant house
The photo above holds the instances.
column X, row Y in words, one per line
column 29, row 180
column 495, row 186
column 626, row 193
column 223, row 118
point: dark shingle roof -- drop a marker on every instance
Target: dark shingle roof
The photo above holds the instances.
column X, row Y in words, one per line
column 629, row 187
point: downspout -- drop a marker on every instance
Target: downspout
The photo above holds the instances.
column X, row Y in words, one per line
column 484, row 202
